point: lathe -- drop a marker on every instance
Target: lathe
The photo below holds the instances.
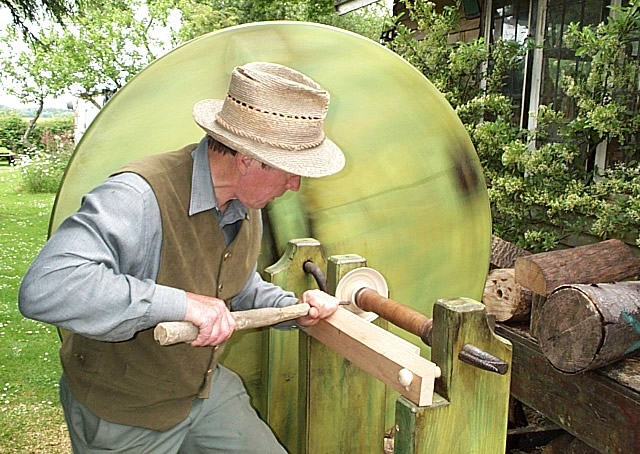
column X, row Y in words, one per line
column 411, row 204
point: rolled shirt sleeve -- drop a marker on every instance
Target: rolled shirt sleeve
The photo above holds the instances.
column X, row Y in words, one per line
column 96, row 274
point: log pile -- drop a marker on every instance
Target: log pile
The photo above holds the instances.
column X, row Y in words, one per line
column 579, row 303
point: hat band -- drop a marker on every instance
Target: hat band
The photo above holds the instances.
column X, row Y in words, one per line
column 288, row 132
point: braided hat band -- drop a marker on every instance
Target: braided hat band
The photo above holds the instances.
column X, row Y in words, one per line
column 276, row 115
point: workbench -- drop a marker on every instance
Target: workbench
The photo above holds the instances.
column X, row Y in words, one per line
column 600, row 407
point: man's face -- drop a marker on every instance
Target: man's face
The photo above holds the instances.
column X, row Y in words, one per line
column 261, row 185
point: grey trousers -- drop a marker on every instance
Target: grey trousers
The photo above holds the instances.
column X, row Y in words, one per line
column 224, row 423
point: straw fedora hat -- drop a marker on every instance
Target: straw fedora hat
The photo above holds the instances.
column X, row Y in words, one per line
column 275, row 115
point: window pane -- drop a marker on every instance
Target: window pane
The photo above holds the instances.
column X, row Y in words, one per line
column 549, row 81
column 497, row 29
column 523, row 26
column 573, row 13
column 553, row 37
column 594, row 11
column 511, row 23
column 509, row 29
column 558, row 59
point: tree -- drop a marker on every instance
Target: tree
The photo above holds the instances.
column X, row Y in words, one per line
column 198, row 17
column 33, row 73
column 101, row 50
column 195, row 17
column 94, row 52
column 25, row 11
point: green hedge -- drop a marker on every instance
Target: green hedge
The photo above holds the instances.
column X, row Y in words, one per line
column 42, row 162
column 13, row 127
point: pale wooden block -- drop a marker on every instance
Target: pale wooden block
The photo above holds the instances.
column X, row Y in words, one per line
column 380, row 353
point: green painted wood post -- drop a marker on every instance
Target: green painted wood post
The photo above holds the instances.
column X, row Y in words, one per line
column 470, row 409
column 341, row 406
column 280, row 368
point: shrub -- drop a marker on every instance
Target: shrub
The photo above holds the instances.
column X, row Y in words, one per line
column 47, row 128
column 42, row 170
column 13, row 127
column 543, row 195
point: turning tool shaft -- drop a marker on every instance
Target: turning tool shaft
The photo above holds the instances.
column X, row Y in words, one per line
column 169, row 333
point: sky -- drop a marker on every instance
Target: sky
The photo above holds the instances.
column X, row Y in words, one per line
column 15, row 103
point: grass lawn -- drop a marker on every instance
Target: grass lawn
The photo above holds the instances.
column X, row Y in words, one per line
column 31, row 420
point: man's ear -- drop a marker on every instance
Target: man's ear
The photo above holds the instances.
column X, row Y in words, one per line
column 243, row 163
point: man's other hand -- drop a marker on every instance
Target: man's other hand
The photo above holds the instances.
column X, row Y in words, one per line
column 212, row 317
column 322, row 305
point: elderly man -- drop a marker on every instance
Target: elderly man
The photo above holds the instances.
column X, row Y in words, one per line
column 175, row 236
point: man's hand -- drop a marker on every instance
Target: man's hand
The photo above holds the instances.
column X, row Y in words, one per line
column 212, row 317
column 322, row 305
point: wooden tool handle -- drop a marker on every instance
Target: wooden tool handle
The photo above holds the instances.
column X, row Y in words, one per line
column 400, row 315
column 169, row 333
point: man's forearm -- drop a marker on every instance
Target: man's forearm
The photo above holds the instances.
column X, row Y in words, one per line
column 257, row 294
column 78, row 282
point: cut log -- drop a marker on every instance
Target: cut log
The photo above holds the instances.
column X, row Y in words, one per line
column 583, row 327
column 504, row 253
column 607, row 261
column 537, row 301
column 504, row 298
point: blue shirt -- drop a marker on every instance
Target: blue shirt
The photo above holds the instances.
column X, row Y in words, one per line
column 96, row 274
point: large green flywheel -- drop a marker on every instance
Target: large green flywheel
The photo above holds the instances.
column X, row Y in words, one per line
column 411, row 200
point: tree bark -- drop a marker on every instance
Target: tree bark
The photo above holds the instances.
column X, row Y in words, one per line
column 504, row 298
column 583, row 327
column 32, row 123
column 607, row 261
column 504, row 253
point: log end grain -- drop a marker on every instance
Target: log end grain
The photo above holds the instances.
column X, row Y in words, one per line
column 529, row 274
column 570, row 330
column 504, row 298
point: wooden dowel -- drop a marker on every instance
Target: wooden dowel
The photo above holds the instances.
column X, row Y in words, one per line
column 400, row 315
column 422, row 326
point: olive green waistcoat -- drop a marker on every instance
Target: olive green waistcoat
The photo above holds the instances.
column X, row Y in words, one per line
column 137, row 382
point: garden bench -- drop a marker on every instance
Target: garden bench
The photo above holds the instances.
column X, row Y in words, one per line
column 10, row 156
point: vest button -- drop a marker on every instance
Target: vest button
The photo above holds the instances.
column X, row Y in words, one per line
column 226, row 255
column 220, row 287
